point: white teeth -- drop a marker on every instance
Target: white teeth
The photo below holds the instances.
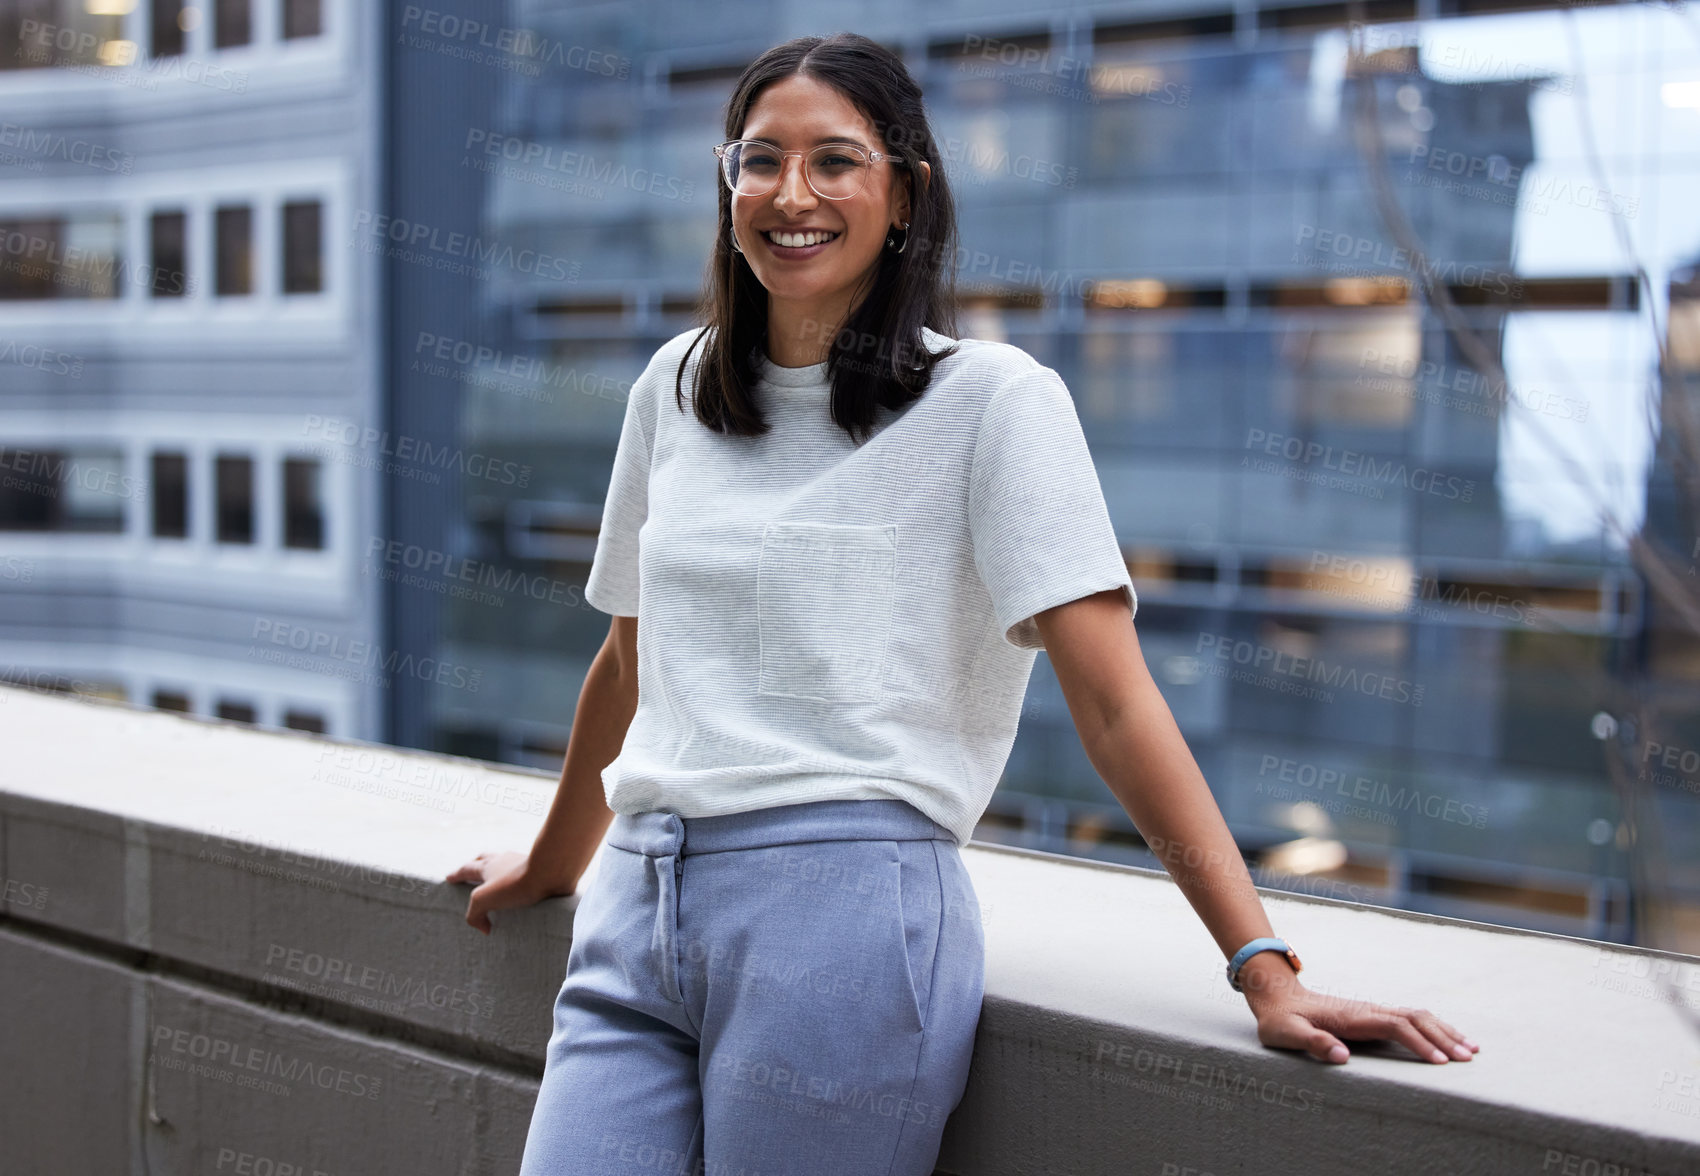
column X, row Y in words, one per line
column 796, row 240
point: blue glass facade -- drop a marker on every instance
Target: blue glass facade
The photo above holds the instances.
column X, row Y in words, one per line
column 1387, row 664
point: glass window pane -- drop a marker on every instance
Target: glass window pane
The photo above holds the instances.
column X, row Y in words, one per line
column 231, row 23
column 302, row 264
column 171, row 700
column 51, row 257
column 235, row 249
column 167, row 232
column 167, row 27
column 170, row 486
column 235, row 479
column 71, row 490
column 241, row 712
column 303, row 504
column 302, row 18
column 54, row 33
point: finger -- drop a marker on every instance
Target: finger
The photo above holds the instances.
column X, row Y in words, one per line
column 471, row 872
column 1293, row 1031
column 477, row 913
column 1396, row 1025
column 1427, row 1040
column 1442, row 1034
column 1457, row 1036
column 1325, row 1047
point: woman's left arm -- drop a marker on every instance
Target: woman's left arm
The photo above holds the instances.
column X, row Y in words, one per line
column 1131, row 738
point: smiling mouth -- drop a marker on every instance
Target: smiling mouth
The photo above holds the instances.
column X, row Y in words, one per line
column 809, row 240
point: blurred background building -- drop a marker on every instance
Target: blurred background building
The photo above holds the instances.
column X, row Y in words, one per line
column 178, row 334
column 1387, row 590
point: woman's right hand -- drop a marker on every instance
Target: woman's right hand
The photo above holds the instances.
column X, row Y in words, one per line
column 501, row 881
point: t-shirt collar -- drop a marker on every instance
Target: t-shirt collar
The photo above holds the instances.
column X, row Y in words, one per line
column 813, row 377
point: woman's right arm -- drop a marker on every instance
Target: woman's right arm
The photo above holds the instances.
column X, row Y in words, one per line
column 579, row 816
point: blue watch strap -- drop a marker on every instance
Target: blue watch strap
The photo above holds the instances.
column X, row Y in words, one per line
column 1266, row 943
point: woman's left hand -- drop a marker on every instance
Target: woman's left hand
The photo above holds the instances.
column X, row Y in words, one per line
column 1291, row 1016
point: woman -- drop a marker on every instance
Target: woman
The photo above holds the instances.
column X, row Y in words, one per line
column 853, row 540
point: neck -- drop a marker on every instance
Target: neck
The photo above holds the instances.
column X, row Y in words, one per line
column 800, row 334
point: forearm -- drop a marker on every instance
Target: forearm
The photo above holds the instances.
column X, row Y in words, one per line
column 579, row 815
column 1144, row 760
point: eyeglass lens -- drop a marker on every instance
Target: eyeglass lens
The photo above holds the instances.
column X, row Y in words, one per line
column 835, row 171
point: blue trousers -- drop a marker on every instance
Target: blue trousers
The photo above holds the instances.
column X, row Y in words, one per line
column 790, row 991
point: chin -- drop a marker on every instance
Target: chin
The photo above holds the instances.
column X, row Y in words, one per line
column 801, row 290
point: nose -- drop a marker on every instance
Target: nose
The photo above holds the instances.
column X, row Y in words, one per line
column 793, row 191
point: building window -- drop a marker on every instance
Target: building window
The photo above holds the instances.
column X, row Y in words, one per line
column 171, row 700
column 302, row 18
column 45, row 34
column 303, row 504
column 297, row 720
column 235, row 498
column 242, row 712
column 170, row 484
column 76, row 256
column 483, row 743
column 232, row 23
column 66, row 490
column 235, row 249
column 57, row 683
column 302, row 266
column 167, row 232
column 170, row 19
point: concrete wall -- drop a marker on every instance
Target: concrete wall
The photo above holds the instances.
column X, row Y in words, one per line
column 176, row 891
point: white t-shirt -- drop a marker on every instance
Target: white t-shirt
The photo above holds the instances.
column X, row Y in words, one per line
column 822, row 621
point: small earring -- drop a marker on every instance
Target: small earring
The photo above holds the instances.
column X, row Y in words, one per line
column 734, row 234
column 905, row 245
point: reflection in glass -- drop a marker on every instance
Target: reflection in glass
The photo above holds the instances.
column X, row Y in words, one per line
column 51, row 34
column 79, row 255
column 65, row 490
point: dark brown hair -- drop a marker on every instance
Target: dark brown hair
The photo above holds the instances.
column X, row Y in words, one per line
column 878, row 356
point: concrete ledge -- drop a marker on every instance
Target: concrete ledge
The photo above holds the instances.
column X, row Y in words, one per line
column 224, row 942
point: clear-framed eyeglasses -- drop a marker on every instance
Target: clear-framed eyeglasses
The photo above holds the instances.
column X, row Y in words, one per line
column 835, row 171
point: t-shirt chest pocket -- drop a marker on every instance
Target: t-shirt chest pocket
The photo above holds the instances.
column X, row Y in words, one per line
column 824, row 599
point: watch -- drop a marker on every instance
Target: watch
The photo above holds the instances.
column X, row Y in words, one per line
column 1267, row 943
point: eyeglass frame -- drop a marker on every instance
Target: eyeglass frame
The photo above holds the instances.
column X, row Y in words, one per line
column 873, row 157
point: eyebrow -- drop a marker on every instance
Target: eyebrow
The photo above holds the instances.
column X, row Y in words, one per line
column 822, row 141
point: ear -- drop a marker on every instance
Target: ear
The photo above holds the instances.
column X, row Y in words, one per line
column 908, row 185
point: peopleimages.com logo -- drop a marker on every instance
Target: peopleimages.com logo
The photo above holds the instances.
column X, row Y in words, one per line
column 422, row 242
column 51, row 145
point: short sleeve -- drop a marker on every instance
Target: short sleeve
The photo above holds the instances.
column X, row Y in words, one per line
column 612, row 586
column 1041, row 531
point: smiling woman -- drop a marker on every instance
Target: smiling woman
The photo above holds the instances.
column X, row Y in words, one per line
column 844, row 555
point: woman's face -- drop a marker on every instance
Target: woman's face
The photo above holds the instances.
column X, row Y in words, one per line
column 796, row 114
